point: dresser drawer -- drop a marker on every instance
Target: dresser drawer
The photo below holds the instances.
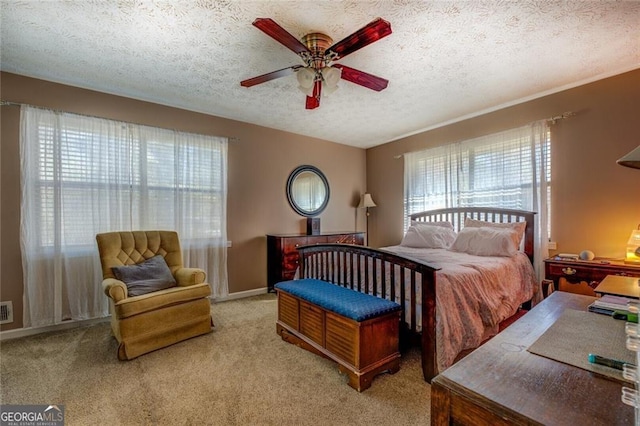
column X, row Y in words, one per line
column 627, row 273
column 346, row 239
column 290, row 256
column 290, row 245
column 317, row 239
column 576, row 273
column 290, row 262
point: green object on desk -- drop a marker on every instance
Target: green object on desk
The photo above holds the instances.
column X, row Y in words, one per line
column 612, row 363
column 625, row 315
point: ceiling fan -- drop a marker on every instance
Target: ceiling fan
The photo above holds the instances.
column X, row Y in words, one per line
column 318, row 54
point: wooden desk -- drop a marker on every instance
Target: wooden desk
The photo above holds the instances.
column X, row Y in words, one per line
column 500, row 383
column 618, row 285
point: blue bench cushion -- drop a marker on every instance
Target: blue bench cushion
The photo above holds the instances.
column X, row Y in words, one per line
column 346, row 302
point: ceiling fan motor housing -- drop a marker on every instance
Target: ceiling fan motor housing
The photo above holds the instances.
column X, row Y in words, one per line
column 317, row 43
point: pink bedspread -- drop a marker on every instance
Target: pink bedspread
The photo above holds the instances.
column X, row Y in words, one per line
column 474, row 294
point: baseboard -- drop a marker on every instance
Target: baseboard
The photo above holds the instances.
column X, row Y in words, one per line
column 30, row 331
column 241, row 295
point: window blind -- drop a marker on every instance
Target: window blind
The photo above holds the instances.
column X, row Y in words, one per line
column 495, row 170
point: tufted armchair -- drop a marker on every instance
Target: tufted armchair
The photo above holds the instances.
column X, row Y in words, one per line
column 159, row 317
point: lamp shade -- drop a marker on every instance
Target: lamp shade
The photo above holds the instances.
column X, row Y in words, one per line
column 366, row 201
column 330, row 78
column 632, row 159
column 306, row 79
column 633, row 248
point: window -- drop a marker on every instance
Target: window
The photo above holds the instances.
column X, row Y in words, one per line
column 85, row 175
column 510, row 169
column 144, row 174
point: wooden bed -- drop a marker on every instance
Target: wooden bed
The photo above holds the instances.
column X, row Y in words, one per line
column 378, row 272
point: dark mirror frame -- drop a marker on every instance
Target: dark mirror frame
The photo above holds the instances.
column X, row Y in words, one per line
column 291, row 180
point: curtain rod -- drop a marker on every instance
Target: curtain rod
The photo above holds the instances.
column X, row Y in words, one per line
column 562, row 116
column 550, row 120
column 20, row 104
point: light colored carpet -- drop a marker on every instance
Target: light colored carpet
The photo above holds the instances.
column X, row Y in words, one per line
column 241, row 374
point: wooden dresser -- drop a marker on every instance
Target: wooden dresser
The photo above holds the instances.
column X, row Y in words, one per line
column 583, row 276
column 282, row 251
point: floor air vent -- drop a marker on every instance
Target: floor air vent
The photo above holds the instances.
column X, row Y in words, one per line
column 6, row 312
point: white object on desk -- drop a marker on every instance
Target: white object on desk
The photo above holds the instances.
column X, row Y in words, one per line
column 587, row 255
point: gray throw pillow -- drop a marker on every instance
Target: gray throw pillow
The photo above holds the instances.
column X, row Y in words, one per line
column 151, row 275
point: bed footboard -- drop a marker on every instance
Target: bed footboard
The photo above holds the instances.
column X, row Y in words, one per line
column 406, row 281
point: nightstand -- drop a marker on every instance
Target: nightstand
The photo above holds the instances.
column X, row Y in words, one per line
column 583, row 276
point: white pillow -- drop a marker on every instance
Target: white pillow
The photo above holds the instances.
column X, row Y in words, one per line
column 425, row 236
column 441, row 224
column 519, row 227
column 486, row 241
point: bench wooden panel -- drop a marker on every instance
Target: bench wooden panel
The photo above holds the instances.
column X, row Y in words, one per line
column 288, row 310
column 312, row 322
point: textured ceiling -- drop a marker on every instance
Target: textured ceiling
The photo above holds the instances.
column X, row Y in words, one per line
column 445, row 60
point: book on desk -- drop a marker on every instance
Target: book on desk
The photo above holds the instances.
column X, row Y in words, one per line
column 615, row 306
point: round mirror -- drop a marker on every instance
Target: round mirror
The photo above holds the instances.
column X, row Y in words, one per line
column 308, row 191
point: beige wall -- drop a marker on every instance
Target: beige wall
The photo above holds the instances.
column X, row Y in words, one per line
column 595, row 202
column 260, row 161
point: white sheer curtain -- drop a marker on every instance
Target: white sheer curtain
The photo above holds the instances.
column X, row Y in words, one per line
column 83, row 175
column 510, row 169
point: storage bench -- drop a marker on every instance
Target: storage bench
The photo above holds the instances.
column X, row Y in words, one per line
column 358, row 331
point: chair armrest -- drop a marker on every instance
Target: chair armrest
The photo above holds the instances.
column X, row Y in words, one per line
column 115, row 289
column 190, row 276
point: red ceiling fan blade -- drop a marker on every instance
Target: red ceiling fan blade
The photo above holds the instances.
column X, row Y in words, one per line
column 314, row 101
column 362, row 78
column 269, row 76
column 275, row 31
column 372, row 32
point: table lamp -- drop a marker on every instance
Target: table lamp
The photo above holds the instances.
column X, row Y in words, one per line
column 365, row 202
column 632, row 160
column 633, row 248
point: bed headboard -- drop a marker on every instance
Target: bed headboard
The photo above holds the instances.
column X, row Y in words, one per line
column 457, row 215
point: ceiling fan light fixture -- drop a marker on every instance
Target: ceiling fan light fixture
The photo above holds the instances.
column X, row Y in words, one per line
column 306, row 78
column 331, row 76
